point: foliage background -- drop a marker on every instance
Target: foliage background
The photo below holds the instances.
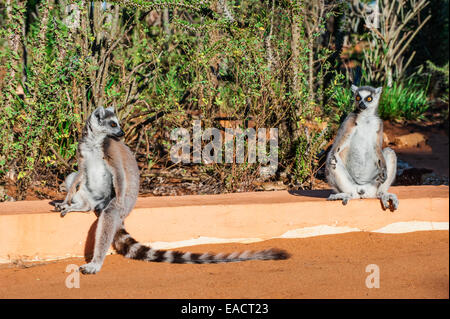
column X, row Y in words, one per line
column 163, row 64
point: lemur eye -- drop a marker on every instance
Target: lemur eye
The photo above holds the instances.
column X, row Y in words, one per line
column 369, row 99
column 358, row 98
column 113, row 124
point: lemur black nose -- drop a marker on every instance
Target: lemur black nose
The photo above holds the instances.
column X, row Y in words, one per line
column 120, row 134
column 362, row 106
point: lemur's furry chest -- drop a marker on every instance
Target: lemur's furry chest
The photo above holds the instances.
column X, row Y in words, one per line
column 361, row 149
column 98, row 177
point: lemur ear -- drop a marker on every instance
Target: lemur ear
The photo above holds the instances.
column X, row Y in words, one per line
column 354, row 88
column 99, row 112
column 378, row 90
column 111, row 109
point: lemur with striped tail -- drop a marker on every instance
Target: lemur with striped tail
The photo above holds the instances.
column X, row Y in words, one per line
column 108, row 183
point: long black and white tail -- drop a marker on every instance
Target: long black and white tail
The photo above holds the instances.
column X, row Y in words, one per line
column 125, row 245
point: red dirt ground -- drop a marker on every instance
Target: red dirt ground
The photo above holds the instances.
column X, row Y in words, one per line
column 433, row 154
column 412, row 265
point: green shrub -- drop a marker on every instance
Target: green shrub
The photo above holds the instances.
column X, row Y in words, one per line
column 343, row 103
column 406, row 101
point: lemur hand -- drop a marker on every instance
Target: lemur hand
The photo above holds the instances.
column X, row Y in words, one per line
column 333, row 162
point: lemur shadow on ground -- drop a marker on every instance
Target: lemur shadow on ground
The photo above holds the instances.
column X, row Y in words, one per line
column 322, row 193
column 90, row 240
column 54, row 202
column 325, row 193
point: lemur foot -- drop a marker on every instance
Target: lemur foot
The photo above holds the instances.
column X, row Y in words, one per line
column 58, row 207
column 90, row 268
column 64, row 208
column 340, row 196
column 389, row 201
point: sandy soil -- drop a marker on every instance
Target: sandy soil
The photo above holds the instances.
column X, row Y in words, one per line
column 413, row 265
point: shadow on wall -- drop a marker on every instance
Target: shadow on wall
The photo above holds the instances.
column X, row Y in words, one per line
column 311, row 193
column 327, row 192
column 90, row 240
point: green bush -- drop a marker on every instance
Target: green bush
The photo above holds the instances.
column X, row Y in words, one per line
column 405, row 101
column 343, row 103
column 192, row 66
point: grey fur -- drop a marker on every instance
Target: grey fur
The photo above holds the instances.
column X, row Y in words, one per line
column 108, row 180
column 357, row 166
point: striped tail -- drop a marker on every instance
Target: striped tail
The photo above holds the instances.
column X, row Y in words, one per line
column 125, row 245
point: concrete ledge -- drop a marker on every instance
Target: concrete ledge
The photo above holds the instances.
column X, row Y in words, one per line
column 29, row 230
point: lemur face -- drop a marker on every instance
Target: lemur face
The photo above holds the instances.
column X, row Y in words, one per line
column 106, row 122
column 366, row 97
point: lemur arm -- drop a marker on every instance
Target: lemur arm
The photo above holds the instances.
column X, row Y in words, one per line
column 340, row 145
column 381, row 161
column 73, row 188
column 119, row 184
column 113, row 157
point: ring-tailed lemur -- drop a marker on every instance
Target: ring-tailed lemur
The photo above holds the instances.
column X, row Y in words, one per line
column 357, row 166
column 108, row 181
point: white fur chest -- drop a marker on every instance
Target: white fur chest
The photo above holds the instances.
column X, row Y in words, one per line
column 362, row 157
column 366, row 131
column 99, row 179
